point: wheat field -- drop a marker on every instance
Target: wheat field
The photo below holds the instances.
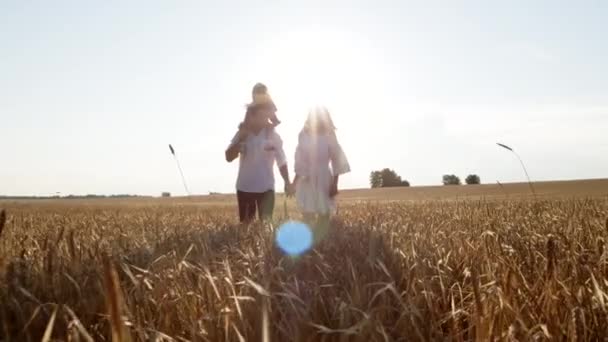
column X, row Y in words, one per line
column 504, row 269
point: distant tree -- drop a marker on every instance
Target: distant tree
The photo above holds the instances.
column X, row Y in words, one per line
column 472, row 179
column 375, row 179
column 390, row 178
column 451, row 180
column 386, row 178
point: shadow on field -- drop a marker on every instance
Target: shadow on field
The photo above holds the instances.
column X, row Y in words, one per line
column 346, row 288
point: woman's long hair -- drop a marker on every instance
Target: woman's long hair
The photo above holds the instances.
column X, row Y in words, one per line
column 319, row 122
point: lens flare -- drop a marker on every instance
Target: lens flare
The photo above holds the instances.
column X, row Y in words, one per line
column 294, row 238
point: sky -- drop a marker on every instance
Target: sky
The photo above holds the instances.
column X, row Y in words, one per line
column 92, row 92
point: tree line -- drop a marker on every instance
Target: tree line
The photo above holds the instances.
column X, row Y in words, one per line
column 387, row 178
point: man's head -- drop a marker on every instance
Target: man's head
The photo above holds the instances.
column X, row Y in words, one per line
column 257, row 116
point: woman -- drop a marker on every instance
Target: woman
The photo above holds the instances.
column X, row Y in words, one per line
column 259, row 146
column 316, row 185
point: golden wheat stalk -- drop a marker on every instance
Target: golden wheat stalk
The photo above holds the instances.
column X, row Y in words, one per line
column 2, row 221
column 49, row 327
column 522, row 165
column 551, row 250
column 114, row 302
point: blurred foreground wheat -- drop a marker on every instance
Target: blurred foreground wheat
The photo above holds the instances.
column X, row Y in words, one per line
column 398, row 272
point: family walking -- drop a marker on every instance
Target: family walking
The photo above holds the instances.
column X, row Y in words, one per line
column 319, row 161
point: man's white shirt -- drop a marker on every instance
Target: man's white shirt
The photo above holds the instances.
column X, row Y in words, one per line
column 257, row 155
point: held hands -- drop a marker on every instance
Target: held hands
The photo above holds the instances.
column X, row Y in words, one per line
column 290, row 189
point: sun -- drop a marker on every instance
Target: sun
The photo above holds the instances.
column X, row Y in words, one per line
column 318, row 67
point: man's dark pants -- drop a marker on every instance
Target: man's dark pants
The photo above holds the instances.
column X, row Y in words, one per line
column 249, row 202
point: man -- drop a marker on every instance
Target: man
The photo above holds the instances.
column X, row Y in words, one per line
column 258, row 145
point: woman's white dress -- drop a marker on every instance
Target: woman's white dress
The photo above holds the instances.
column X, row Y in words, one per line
column 314, row 156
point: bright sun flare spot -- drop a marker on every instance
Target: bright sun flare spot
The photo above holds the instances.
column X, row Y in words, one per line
column 311, row 68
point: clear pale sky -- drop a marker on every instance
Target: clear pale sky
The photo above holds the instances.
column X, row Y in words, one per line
column 92, row 92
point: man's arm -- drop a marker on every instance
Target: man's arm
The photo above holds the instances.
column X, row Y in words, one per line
column 288, row 186
column 284, row 173
column 281, row 160
column 232, row 152
column 235, row 147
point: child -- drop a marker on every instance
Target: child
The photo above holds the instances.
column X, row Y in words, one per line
column 260, row 96
column 316, row 185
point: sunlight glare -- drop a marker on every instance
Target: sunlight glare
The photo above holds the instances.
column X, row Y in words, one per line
column 318, row 68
